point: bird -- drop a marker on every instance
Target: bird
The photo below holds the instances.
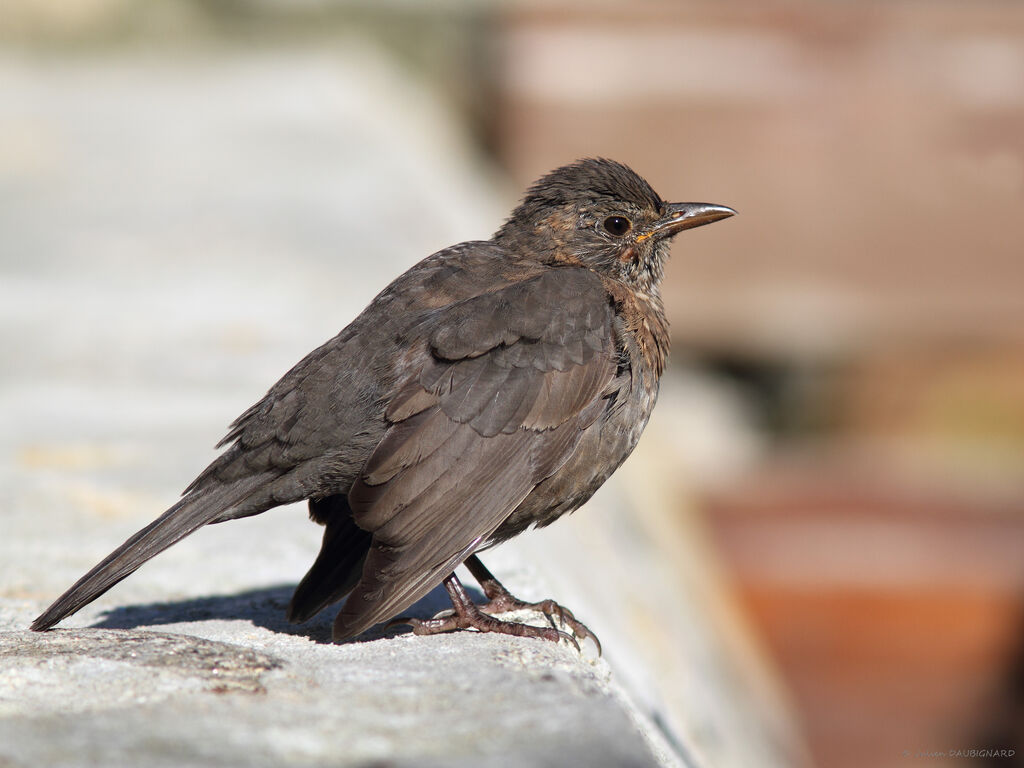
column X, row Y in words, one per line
column 494, row 386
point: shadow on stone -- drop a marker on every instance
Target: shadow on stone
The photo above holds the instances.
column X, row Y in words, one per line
column 264, row 608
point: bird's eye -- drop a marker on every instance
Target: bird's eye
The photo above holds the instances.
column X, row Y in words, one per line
column 617, row 225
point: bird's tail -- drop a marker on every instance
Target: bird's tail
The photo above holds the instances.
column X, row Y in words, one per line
column 193, row 511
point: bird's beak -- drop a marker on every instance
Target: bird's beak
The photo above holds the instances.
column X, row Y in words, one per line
column 680, row 216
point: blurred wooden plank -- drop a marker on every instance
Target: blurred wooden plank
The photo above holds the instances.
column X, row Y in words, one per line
column 875, row 152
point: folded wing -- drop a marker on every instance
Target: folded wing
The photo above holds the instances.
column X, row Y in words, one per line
column 499, row 392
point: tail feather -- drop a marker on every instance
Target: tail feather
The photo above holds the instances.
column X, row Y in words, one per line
column 191, row 513
column 339, row 564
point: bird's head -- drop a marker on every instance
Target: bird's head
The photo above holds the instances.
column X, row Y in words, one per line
column 603, row 215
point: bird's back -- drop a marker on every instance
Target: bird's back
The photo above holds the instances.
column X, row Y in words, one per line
column 320, row 422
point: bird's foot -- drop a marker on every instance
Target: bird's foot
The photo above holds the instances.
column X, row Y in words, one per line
column 506, row 602
column 503, row 601
column 482, row 622
column 468, row 615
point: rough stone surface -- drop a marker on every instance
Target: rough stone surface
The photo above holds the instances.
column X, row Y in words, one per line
column 259, row 697
column 178, row 232
column 177, row 235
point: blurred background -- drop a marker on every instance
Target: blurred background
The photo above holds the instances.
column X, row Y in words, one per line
column 194, row 194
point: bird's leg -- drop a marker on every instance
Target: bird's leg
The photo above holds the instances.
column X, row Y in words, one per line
column 468, row 616
column 501, row 601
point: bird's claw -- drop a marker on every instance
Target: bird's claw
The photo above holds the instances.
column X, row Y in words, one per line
column 506, row 602
column 482, row 622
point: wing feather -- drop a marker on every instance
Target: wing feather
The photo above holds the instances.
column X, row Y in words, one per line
column 505, row 385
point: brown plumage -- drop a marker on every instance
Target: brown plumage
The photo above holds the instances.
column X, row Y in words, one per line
column 493, row 386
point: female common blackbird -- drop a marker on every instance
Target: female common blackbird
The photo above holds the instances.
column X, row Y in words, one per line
column 493, row 386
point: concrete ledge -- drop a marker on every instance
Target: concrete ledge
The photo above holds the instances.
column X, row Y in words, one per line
column 232, row 691
column 159, row 274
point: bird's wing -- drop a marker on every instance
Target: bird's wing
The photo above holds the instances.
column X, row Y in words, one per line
column 322, row 419
column 308, row 437
column 502, row 386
